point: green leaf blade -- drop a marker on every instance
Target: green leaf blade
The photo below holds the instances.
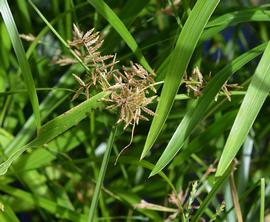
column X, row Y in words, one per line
column 194, row 116
column 22, row 59
column 257, row 93
column 57, row 126
column 180, row 58
column 103, row 9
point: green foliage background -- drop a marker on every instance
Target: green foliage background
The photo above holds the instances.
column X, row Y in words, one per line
column 57, row 155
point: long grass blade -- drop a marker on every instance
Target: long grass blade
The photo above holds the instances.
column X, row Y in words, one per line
column 218, row 24
column 101, row 175
column 195, row 115
column 103, row 9
column 58, row 35
column 57, row 126
column 179, row 61
column 20, row 53
column 48, row 205
column 53, row 99
column 192, row 118
column 257, row 92
column 7, row 214
column 217, row 185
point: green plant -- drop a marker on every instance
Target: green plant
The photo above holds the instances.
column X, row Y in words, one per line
column 195, row 63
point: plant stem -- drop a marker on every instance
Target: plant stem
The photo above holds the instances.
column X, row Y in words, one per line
column 101, row 175
column 235, row 199
column 57, row 34
column 262, row 200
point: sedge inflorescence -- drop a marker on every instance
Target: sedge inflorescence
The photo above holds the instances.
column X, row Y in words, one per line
column 130, row 87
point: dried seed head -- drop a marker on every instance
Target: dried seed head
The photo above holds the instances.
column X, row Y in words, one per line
column 28, row 37
column 130, row 94
column 64, row 60
column 129, row 87
column 195, row 82
column 226, row 91
column 87, row 48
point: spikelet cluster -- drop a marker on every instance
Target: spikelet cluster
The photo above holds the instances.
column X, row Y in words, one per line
column 196, row 83
column 129, row 87
column 130, row 94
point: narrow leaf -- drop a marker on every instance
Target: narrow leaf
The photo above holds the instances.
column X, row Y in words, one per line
column 50, row 206
column 192, row 117
column 101, row 175
column 20, row 53
column 103, row 9
column 57, row 126
column 257, row 92
column 217, row 185
column 179, row 61
column 232, row 18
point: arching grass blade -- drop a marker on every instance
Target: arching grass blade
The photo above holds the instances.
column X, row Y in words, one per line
column 257, row 92
column 20, row 53
column 179, row 61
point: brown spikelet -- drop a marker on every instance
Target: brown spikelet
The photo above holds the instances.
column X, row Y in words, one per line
column 129, row 87
column 28, row 37
column 195, row 82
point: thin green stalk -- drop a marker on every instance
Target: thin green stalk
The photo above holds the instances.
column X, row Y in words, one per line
column 56, row 11
column 20, row 54
column 11, row 92
column 262, row 200
column 68, row 20
column 101, row 176
column 3, row 112
column 90, row 150
column 217, row 185
column 58, row 35
column 92, row 129
column 186, row 7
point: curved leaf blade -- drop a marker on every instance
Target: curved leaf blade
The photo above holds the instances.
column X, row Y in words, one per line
column 217, row 185
column 103, row 9
column 257, row 93
column 218, row 24
column 48, row 205
column 57, row 126
column 179, row 61
column 195, row 115
column 22, row 59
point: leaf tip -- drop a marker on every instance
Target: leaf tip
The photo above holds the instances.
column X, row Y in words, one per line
column 151, row 174
column 146, row 148
column 145, row 151
column 154, row 172
column 142, row 155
